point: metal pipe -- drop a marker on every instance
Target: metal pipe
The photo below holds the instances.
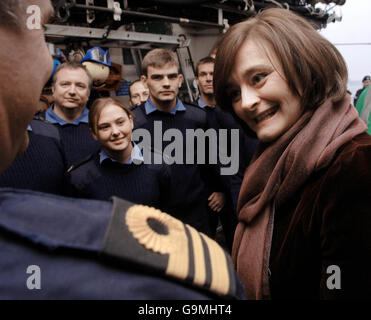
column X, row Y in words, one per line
column 153, row 16
column 182, row 69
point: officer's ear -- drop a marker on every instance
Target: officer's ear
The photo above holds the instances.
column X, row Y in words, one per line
column 196, row 80
column 180, row 77
column 143, row 79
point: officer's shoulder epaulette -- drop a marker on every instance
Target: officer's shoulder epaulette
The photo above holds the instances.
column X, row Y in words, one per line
column 80, row 163
column 158, row 243
column 42, row 127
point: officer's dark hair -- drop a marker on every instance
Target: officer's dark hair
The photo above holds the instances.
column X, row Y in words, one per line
column 158, row 58
column 73, row 66
column 10, row 13
column 204, row 60
column 97, row 108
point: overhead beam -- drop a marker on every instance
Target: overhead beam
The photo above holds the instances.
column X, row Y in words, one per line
column 58, row 31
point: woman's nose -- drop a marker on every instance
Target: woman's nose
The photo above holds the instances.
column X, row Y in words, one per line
column 250, row 98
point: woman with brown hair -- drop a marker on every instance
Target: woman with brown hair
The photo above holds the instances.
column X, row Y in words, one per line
column 304, row 205
column 118, row 169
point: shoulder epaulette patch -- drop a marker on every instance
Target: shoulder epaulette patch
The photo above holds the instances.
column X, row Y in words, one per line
column 158, row 242
column 42, row 127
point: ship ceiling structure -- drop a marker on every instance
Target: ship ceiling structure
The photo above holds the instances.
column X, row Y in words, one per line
column 145, row 23
column 140, row 25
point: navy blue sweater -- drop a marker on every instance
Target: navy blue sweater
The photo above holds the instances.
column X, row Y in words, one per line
column 42, row 166
column 189, row 180
column 228, row 120
column 147, row 184
column 77, row 141
column 220, row 119
column 85, row 250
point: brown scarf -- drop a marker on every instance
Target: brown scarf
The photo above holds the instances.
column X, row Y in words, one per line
column 276, row 172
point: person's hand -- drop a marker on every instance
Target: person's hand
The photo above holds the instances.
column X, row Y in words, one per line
column 217, row 201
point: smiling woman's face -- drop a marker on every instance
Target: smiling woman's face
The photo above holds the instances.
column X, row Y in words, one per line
column 260, row 96
column 114, row 128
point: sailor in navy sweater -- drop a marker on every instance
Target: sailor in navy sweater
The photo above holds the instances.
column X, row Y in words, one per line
column 243, row 148
column 221, row 119
column 71, row 90
column 204, row 80
column 160, row 69
column 118, row 169
column 42, row 166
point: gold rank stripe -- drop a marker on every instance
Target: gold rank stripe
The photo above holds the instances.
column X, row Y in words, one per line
column 220, row 281
column 176, row 244
column 198, row 257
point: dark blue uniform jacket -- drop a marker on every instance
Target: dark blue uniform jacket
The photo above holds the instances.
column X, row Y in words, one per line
column 88, row 249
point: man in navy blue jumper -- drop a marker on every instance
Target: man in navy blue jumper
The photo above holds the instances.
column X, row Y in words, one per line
column 206, row 100
column 160, row 69
column 246, row 146
column 54, row 247
column 42, row 166
column 71, row 89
